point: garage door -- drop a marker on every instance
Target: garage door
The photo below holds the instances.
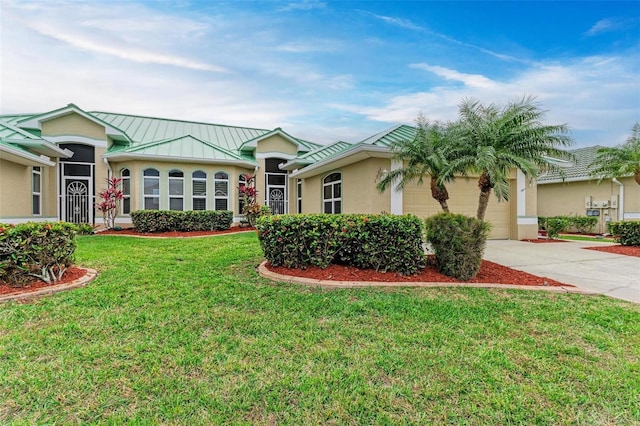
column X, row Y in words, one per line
column 463, row 199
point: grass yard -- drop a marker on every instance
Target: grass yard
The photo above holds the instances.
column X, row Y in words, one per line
column 186, row 332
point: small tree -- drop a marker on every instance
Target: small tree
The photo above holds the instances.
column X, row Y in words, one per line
column 249, row 199
column 624, row 160
column 110, row 201
column 425, row 154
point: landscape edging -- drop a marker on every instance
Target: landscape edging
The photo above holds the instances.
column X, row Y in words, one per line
column 90, row 275
column 266, row 273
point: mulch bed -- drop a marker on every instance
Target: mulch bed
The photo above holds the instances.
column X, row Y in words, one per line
column 618, row 249
column 543, row 240
column 71, row 274
column 176, row 234
column 489, row 273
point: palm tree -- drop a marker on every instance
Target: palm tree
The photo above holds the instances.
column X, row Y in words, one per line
column 493, row 141
column 425, row 154
column 624, row 160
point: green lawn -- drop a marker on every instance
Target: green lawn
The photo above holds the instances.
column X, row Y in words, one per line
column 186, row 332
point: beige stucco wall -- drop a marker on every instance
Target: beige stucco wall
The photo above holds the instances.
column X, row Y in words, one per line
column 359, row 193
column 137, row 169
column 276, row 144
column 568, row 198
column 73, row 124
column 16, row 191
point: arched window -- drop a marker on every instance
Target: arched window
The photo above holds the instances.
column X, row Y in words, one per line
column 176, row 190
column 199, row 190
column 332, row 193
column 125, row 175
column 221, row 191
column 151, row 190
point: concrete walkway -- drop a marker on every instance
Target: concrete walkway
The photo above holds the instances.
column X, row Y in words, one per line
column 568, row 262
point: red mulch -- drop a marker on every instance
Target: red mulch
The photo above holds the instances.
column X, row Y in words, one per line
column 625, row 250
column 175, row 234
column 543, row 240
column 71, row 274
column 489, row 273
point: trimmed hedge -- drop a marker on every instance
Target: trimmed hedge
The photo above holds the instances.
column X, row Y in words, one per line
column 150, row 221
column 380, row 242
column 556, row 224
column 626, row 233
column 42, row 250
column 458, row 242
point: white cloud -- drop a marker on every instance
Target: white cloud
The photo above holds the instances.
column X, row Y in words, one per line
column 588, row 95
column 604, row 26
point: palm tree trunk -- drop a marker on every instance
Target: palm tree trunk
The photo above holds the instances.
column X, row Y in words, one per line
column 485, row 185
column 440, row 194
column 636, row 177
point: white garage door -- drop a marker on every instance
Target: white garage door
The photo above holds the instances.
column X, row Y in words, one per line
column 463, row 199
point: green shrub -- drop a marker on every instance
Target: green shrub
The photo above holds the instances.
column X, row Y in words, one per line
column 555, row 225
column 626, row 233
column 458, row 243
column 150, row 221
column 85, row 229
column 380, row 242
column 542, row 222
column 583, row 224
column 42, row 250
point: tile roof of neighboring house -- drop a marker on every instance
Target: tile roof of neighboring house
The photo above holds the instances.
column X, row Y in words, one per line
column 577, row 172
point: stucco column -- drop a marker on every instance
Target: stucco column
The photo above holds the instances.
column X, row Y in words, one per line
column 396, row 193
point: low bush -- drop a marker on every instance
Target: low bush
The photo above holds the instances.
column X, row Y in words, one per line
column 380, row 242
column 458, row 243
column 555, row 225
column 626, row 233
column 151, row 221
column 42, row 250
column 584, row 224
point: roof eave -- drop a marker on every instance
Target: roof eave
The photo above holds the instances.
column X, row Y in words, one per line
column 357, row 153
column 128, row 156
column 15, row 155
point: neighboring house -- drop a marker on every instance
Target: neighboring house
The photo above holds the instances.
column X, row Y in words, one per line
column 574, row 192
column 52, row 165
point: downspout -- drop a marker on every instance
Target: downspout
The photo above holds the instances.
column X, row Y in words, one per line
column 621, row 200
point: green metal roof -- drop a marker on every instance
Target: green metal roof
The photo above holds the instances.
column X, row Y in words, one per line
column 393, row 134
column 182, row 147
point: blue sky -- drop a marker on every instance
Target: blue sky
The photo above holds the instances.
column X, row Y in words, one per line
column 325, row 70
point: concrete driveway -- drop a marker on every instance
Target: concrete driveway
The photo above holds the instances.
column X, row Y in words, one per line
column 568, row 262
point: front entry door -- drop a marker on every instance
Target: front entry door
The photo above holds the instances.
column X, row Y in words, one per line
column 76, row 196
column 276, row 199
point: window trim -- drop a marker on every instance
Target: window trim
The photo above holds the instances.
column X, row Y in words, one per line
column 299, row 194
column 126, row 195
column 215, row 192
column 36, row 173
column 176, row 179
column 333, row 198
column 145, row 195
column 195, row 197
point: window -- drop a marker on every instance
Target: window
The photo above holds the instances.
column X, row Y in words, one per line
column 242, row 184
column 151, row 189
column 332, row 193
column 36, row 191
column 221, row 191
column 299, row 195
column 199, row 190
column 176, row 190
column 125, row 174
